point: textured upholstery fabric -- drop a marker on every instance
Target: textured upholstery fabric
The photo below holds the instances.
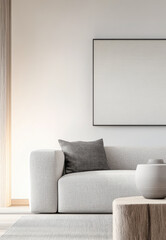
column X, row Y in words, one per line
column 94, row 192
column 84, row 156
column 127, row 158
column 46, row 167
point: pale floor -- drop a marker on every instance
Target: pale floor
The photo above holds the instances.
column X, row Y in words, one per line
column 8, row 216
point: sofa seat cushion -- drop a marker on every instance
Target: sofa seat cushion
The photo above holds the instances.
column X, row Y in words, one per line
column 94, row 191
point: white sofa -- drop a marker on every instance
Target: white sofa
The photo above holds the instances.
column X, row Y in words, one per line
column 85, row 192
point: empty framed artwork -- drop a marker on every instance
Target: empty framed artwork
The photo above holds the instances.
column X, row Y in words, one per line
column 129, row 82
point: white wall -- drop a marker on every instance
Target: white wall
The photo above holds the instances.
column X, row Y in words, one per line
column 52, row 73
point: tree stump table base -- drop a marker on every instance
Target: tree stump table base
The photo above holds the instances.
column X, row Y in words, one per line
column 137, row 218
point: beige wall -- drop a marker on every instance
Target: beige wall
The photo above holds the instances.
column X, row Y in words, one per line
column 52, row 73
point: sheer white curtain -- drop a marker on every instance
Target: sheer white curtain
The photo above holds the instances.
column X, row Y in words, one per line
column 5, row 58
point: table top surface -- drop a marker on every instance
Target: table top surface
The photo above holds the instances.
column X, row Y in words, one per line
column 137, row 200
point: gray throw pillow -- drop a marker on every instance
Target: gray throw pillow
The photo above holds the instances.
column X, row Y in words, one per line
column 84, row 156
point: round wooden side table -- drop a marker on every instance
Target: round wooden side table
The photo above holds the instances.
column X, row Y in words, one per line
column 137, row 218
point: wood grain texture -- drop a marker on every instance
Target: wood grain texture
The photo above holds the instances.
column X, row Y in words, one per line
column 139, row 219
column 8, row 216
column 157, row 213
column 5, row 102
column 6, row 221
column 19, row 202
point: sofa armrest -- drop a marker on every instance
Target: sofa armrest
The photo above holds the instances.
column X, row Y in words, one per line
column 46, row 167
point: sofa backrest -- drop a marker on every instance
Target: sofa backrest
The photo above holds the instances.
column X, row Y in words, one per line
column 127, row 158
